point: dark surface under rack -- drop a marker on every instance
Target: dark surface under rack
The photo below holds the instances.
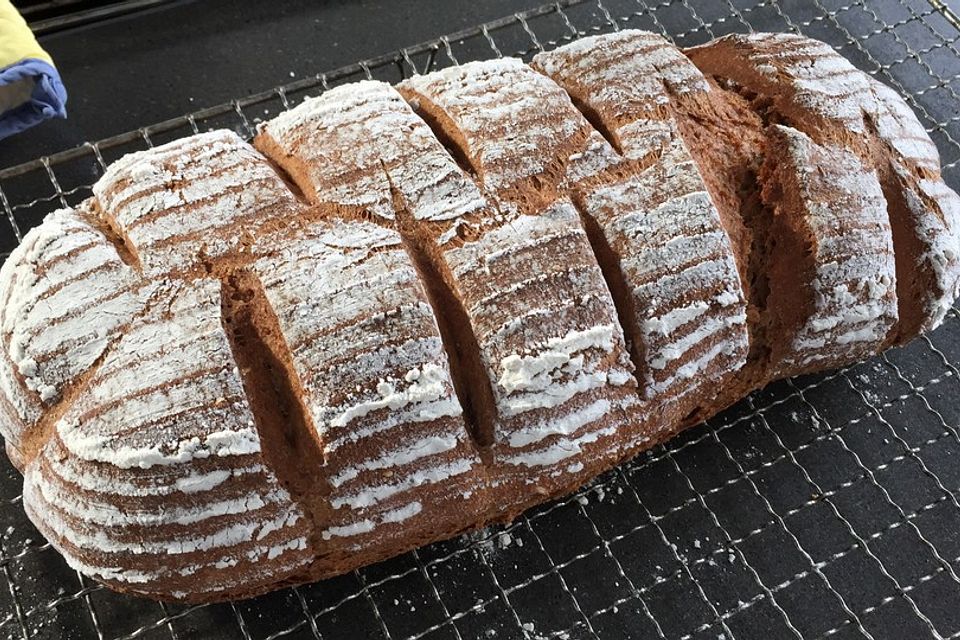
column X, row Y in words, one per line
column 825, row 506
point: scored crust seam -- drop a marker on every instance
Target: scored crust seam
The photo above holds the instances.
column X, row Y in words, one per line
column 735, row 63
column 745, row 217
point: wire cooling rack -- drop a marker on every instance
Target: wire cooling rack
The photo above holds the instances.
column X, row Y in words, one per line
column 824, row 506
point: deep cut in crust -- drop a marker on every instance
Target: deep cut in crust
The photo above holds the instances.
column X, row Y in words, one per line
column 395, row 465
column 535, row 358
column 406, row 312
column 807, row 85
column 838, row 255
column 673, row 218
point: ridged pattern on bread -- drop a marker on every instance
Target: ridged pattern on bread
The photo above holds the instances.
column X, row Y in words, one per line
column 396, row 455
column 809, row 86
column 154, row 477
column 64, row 293
column 405, row 312
column 551, row 355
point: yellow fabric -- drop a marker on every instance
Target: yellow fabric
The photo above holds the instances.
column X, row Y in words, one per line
column 16, row 40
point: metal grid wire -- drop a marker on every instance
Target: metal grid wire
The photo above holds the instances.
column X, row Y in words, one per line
column 825, row 506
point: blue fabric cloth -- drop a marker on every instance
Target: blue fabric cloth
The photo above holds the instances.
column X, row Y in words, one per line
column 47, row 100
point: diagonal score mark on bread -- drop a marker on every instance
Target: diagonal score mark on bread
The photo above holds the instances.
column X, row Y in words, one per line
column 644, row 202
column 793, row 232
column 474, row 258
column 289, row 440
column 410, row 319
column 183, row 424
column 466, row 363
column 807, row 85
column 67, row 292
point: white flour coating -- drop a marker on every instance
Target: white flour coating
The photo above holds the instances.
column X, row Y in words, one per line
column 827, row 85
column 274, row 552
column 191, row 198
column 668, row 322
column 662, row 223
column 323, row 134
column 567, row 424
column 199, row 482
column 359, row 527
column 942, row 255
column 692, row 370
column 596, row 157
column 513, row 119
column 430, row 383
column 103, row 540
column 253, row 570
column 448, row 407
column 352, row 529
column 830, row 86
column 644, row 136
column 100, row 448
column 898, row 126
column 107, row 514
column 555, row 453
column 399, row 151
column 578, row 381
column 396, row 362
column 423, row 448
column 371, row 495
column 74, row 472
column 552, row 359
column 64, row 294
column 118, row 435
column 138, row 578
column 671, row 352
column 402, row 513
column 854, row 284
column 824, row 81
column 622, row 74
column 551, row 308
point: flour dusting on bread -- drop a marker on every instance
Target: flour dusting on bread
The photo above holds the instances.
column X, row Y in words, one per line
column 404, row 312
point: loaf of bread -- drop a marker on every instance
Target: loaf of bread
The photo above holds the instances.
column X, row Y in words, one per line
column 407, row 312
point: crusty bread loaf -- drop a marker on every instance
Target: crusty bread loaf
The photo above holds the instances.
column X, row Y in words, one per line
column 408, row 311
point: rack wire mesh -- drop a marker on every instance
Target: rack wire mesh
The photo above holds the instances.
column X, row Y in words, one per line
column 821, row 507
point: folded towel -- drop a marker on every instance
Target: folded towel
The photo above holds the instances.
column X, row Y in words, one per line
column 30, row 87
